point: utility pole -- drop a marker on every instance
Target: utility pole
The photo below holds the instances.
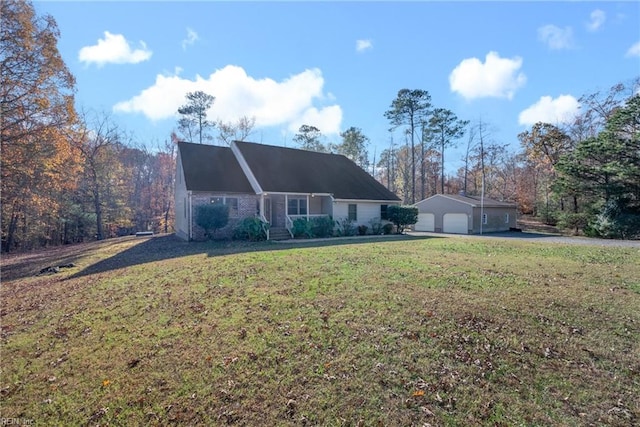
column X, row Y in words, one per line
column 482, row 189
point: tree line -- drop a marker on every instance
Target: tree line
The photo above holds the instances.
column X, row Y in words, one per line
column 583, row 175
column 70, row 176
column 67, row 176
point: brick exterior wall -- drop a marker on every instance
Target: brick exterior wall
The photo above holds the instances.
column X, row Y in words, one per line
column 247, row 207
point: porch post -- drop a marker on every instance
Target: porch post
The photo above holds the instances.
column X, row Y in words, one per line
column 307, row 207
column 262, row 215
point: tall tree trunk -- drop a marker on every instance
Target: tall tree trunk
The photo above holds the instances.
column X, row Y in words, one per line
column 166, row 218
column 98, row 208
column 11, row 230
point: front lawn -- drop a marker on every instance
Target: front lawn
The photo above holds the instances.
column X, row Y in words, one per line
column 389, row 331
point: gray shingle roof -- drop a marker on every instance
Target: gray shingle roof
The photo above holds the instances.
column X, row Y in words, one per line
column 280, row 169
column 476, row 201
column 211, row 168
column 277, row 169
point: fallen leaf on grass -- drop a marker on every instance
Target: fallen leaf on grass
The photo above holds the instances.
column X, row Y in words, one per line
column 426, row 411
column 418, row 393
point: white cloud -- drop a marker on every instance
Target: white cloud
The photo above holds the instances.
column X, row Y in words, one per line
column 496, row 77
column 288, row 103
column 634, row 50
column 555, row 37
column 192, row 37
column 559, row 110
column 363, row 45
column 113, row 49
column 597, row 19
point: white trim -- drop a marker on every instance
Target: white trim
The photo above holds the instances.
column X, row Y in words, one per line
column 296, row 193
column 384, row 202
column 245, row 168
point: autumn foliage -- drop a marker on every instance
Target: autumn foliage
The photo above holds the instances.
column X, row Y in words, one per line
column 67, row 177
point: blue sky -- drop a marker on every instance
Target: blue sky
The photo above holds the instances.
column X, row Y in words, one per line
column 334, row 65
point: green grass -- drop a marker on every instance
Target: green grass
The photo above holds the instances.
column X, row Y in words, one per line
column 390, row 331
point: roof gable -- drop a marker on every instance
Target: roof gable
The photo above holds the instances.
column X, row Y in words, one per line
column 212, row 168
column 281, row 169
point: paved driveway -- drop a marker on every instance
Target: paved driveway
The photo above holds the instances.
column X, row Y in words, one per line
column 537, row 237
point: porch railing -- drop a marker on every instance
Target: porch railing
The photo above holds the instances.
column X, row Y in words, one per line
column 289, row 224
column 265, row 224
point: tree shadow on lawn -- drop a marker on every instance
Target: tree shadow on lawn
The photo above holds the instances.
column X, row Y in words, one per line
column 162, row 247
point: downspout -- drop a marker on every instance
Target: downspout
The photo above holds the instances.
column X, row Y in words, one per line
column 190, row 218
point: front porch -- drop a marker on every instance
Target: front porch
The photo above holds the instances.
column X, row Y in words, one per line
column 280, row 210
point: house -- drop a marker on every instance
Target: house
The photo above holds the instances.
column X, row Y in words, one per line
column 459, row 214
column 275, row 184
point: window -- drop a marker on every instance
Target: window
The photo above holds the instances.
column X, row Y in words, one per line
column 383, row 212
column 297, row 207
column 353, row 212
column 506, row 218
column 485, row 218
column 232, row 203
column 217, row 200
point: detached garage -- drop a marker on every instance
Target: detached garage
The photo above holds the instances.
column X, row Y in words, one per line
column 426, row 222
column 457, row 214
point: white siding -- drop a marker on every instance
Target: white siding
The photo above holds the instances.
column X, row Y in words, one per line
column 366, row 211
column 181, row 203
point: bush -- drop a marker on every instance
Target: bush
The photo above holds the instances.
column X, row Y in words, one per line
column 251, row 229
column 362, row 230
column 322, row 226
column 301, row 228
column 616, row 221
column 387, row 228
column 402, row 216
column 573, row 221
column 212, row 218
column 548, row 215
column 376, row 226
column 346, row 227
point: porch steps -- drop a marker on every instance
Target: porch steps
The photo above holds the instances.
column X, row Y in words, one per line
column 279, row 233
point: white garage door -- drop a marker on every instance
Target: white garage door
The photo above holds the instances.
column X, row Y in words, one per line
column 426, row 222
column 455, row 223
